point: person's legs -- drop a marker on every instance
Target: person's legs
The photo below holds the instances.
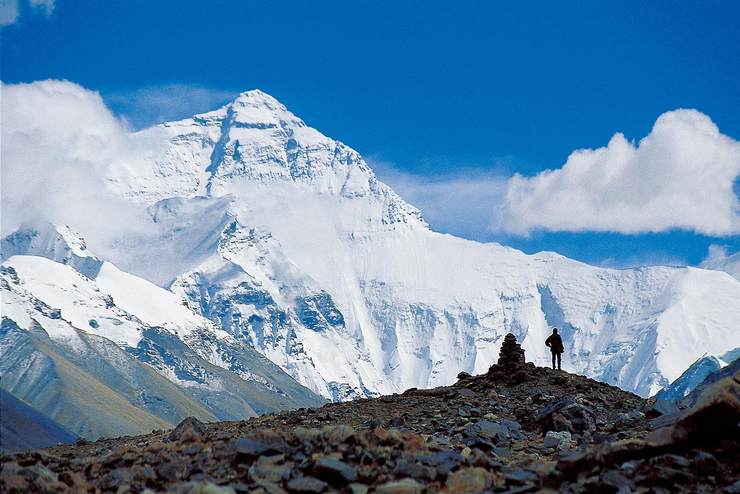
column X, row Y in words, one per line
column 553, row 360
column 559, row 361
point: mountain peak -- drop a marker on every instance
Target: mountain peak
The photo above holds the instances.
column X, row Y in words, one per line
column 257, row 97
column 257, row 108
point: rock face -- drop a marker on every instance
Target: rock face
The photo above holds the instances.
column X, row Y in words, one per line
column 483, row 434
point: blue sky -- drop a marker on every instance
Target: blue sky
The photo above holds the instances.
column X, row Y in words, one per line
column 446, row 100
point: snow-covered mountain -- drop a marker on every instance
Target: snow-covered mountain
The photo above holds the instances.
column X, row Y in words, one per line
column 117, row 354
column 286, row 241
column 696, row 374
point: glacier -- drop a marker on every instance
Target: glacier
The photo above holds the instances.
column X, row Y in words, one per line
column 284, row 241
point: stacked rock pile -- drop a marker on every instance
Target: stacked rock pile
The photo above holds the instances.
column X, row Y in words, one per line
column 511, row 353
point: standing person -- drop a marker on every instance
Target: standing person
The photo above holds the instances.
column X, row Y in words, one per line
column 556, row 346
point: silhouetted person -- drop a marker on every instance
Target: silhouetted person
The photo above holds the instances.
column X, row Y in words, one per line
column 556, row 346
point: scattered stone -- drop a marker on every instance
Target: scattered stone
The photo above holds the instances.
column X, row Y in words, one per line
column 469, row 481
column 268, row 469
column 191, row 427
column 358, row 488
column 521, row 476
column 566, row 414
column 397, row 421
column 557, row 439
column 496, row 432
column 614, row 479
column 334, row 471
column 249, row 448
column 630, row 417
column 307, row 484
column 733, row 488
column 405, row 486
column 467, row 393
column 444, row 461
column 656, row 407
column 203, row 488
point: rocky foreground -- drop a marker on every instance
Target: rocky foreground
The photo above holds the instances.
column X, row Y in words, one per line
column 517, row 428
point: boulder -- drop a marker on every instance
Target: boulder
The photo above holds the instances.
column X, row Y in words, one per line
column 566, row 414
column 557, row 439
column 655, row 407
column 715, row 415
column 189, row 428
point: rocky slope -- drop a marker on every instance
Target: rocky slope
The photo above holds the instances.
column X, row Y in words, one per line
column 516, row 428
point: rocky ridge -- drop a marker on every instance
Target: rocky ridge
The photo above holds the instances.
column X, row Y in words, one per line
column 516, row 428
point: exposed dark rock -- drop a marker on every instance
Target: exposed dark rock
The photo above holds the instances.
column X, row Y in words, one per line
column 334, row 471
column 714, row 417
column 656, row 408
column 249, row 448
column 566, row 414
column 189, row 428
column 306, row 484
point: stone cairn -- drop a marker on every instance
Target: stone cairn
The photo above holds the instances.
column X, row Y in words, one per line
column 511, row 354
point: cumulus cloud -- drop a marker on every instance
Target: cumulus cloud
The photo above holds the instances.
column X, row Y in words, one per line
column 680, row 176
column 459, row 201
column 59, row 141
column 156, row 104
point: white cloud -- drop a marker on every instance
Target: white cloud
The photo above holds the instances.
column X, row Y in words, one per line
column 46, row 6
column 680, row 176
column 10, row 9
column 720, row 259
column 58, row 140
column 156, row 104
column 458, row 202
column 8, row 12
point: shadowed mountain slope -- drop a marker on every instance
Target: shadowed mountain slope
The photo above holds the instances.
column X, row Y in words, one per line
column 22, row 427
